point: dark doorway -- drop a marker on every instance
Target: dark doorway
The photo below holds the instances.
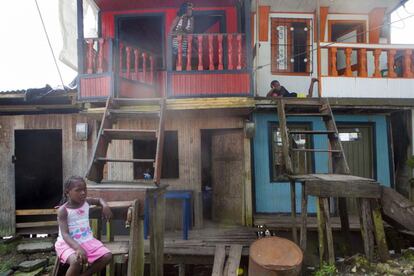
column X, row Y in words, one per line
column 145, row 32
column 38, row 168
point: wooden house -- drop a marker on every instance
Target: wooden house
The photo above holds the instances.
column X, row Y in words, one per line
column 222, row 138
column 367, row 79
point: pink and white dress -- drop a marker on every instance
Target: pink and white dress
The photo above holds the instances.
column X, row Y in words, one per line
column 80, row 231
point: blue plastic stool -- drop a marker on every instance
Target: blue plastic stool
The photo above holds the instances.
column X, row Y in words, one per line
column 185, row 196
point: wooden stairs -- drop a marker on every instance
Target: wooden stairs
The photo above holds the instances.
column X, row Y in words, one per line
column 330, row 188
column 133, row 109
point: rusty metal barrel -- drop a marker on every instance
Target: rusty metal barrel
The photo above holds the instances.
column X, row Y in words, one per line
column 272, row 256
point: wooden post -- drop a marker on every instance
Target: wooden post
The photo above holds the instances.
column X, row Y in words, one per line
column 144, row 67
column 362, row 61
column 366, row 227
column 239, row 52
column 89, row 57
column 136, row 62
column 377, row 72
column 329, row 239
column 96, row 225
column 334, row 71
column 151, row 78
column 200, row 53
column 128, row 62
column 160, row 227
column 293, row 210
column 120, row 58
column 157, row 218
column 304, row 215
column 136, row 243
column 220, row 51
column 407, row 64
column 230, row 51
column 348, row 68
column 179, row 64
column 210, row 52
column 189, row 51
column 110, row 268
column 99, row 68
column 379, row 231
column 321, row 229
column 343, row 214
column 390, row 59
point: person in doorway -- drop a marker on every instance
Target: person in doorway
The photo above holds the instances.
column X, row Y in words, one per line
column 183, row 24
column 276, row 91
column 76, row 245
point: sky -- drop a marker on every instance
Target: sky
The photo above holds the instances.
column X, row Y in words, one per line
column 26, row 60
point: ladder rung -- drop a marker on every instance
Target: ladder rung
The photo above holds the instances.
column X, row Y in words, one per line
column 136, row 101
column 129, row 134
column 130, row 113
column 104, row 159
column 307, row 114
column 311, row 132
column 317, row 150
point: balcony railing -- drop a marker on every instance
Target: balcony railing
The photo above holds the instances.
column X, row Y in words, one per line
column 208, row 52
column 136, row 64
column 370, row 60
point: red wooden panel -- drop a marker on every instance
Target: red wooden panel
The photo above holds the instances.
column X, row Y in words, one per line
column 133, row 89
column 99, row 86
column 108, row 5
column 210, row 84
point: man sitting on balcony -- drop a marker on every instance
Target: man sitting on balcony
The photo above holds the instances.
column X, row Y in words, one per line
column 279, row 91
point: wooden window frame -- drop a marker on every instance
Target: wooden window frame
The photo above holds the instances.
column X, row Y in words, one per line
column 309, row 144
column 273, row 44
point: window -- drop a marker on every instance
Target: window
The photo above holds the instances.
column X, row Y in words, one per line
column 301, row 161
column 291, row 45
column 146, row 150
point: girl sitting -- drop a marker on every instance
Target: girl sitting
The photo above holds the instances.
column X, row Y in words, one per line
column 76, row 245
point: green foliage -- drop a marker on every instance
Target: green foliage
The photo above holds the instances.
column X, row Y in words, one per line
column 408, row 256
column 326, row 270
column 410, row 162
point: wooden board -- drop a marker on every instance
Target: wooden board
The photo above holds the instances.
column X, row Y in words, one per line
column 219, row 259
column 227, row 179
column 234, row 259
column 357, row 189
column 397, row 209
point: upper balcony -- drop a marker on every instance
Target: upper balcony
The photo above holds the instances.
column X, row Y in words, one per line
column 367, row 70
column 137, row 57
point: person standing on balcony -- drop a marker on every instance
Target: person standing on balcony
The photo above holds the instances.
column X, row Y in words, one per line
column 183, row 24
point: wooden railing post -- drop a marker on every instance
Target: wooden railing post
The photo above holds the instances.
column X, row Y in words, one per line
column 200, row 52
column 89, row 57
column 334, row 70
column 390, row 59
column 407, row 64
column 239, row 51
column 230, row 51
column 99, row 68
column 179, row 64
column 210, row 52
column 144, row 67
column 128, row 62
column 377, row 71
column 120, row 58
column 151, row 78
column 362, row 62
column 220, row 51
column 348, row 68
column 136, row 62
column 189, row 51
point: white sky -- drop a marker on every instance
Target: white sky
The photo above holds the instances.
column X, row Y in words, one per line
column 25, row 58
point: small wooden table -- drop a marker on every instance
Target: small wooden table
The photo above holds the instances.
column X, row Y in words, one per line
column 324, row 186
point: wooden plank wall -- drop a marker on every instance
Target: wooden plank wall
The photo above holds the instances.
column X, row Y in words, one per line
column 188, row 124
column 75, row 155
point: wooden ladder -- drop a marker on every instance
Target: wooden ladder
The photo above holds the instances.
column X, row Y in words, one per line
column 116, row 108
column 338, row 165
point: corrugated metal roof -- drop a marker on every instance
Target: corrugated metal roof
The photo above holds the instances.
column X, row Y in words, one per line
column 20, row 91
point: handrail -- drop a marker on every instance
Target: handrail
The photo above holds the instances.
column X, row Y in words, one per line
column 207, row 51
column 366, row 45
column 98, row 55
